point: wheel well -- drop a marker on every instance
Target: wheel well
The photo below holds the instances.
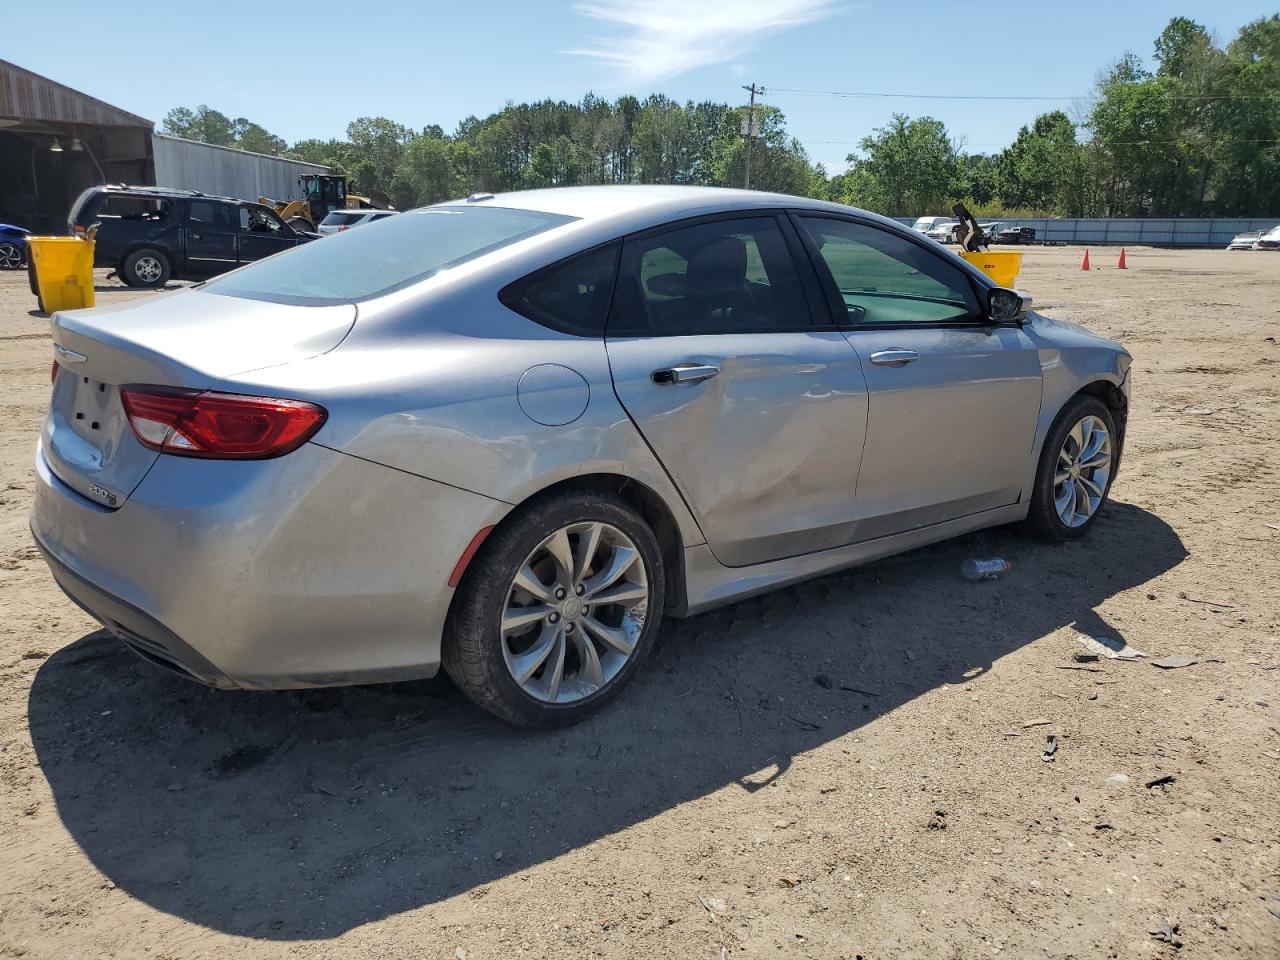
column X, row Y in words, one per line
column 651, row 508
column 1116, row 402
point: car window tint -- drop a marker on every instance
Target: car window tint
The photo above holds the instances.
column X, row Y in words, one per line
column 259, row 220
column 210, row 213
column 719, row 276
column 885, row 278
column 145, row 209
column 572, row 296
column 358, row 264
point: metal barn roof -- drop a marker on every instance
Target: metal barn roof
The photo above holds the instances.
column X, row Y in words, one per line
column 29, row 96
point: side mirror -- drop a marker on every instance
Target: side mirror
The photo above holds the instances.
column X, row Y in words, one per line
column 1007, row 306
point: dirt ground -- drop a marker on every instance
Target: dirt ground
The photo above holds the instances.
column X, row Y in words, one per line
column 848, row 768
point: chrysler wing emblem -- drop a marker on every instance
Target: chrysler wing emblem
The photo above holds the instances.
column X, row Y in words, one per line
column 67, row 356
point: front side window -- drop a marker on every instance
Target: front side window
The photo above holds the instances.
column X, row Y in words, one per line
column 572, row 296
column 356, row 265
column 718, row 276
column 260, row 220
column 883, row 278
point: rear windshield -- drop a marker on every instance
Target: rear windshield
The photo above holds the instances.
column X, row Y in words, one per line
column 337, row 219
column 359, row 264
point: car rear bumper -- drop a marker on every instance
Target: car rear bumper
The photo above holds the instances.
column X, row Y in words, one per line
column 313, row 569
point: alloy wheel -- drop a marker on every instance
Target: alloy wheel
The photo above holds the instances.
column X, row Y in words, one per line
column 10, row 256
column 574, row 612
column 147, row 269
column 1082, row 472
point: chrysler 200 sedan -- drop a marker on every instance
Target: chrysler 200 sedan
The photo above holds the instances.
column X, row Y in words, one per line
column 507, row 435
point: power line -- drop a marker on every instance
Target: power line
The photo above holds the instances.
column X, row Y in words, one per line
column 977, row 96
column 1105, row 143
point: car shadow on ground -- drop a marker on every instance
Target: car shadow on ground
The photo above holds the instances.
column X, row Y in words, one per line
column 301, row 815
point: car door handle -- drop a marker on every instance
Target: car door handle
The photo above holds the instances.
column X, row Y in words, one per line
column 894, row 358
column 685, row 373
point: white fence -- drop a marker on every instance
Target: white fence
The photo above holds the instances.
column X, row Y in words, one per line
column 1148, row 231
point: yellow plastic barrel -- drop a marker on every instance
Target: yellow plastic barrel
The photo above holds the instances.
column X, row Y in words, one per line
column 1001, row 266
column 63, row 269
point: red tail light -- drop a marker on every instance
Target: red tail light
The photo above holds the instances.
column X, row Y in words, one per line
column 224, row 426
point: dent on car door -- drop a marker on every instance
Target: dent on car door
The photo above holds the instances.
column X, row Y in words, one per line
column 953, row 400
column 756, row 414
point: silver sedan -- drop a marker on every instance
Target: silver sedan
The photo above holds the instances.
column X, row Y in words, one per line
column 507, row 435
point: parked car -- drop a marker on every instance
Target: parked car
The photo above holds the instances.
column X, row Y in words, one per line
column 150, row 235
column 925, row 224
column 13, row 247
column 509, row 434
column 1016, row 235
column 1269, row 240
column 1246, row 240
column 338, row 220
column 944, row 232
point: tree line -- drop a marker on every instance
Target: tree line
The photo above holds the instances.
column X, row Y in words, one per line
column 1197, row 134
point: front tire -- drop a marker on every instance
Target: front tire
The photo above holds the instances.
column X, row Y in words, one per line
column 12, row 256
column 558, row 611
column 147, row 267
column 1077, row 465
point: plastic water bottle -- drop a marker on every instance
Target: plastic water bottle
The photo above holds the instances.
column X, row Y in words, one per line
column 990, row 569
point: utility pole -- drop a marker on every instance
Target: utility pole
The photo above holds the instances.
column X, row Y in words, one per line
column 749, row 130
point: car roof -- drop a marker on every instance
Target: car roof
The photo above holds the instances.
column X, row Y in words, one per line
column 635, row 207
column 166, row 192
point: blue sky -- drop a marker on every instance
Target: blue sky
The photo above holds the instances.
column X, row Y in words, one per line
column 425, row 62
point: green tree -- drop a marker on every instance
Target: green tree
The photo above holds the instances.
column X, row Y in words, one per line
column 906, row 168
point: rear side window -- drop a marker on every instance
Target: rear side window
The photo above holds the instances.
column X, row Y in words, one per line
column 571, row 296
column 359, row 264
column 138, row 209
column 718, row 276
column 211, row 213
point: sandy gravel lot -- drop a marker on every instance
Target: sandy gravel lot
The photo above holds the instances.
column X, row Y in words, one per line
column 842, row 769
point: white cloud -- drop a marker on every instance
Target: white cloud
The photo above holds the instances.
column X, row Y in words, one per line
column 658, row 39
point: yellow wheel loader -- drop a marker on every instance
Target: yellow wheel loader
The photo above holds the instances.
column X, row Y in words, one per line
column 321, row 194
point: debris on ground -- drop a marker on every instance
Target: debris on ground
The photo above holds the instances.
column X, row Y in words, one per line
column 1166, row 931
column 1207, row 603
column 1174, row 662
column 1093, row 694
column 1118, row 779
column 713, row 905
column 1051, row 748
column 1113, row 648
column 938, row 821
column 1082, row 657
column 1036, row 723
column 1161, row 781
column 788, row 880
column 991, row 568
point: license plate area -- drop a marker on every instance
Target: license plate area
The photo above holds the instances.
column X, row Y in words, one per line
column 94, row 410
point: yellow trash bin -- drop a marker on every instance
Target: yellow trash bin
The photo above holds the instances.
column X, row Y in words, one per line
column 1001, row 266
column 62, row 268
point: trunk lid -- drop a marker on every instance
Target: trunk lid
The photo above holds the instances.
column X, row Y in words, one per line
column 186, row 339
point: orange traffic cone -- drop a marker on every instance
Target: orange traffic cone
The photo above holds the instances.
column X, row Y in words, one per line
column 1120, row 265
column 1084, row 264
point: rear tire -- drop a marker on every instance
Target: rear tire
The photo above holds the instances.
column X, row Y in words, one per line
column 147, row 267
column 1077, row 466
column 584, row 661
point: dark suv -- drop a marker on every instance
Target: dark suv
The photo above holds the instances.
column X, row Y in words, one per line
column 152, row 234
